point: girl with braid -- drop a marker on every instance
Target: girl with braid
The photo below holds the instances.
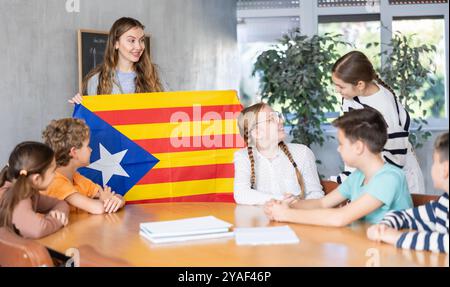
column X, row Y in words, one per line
column 269, row 168
column 360, row 87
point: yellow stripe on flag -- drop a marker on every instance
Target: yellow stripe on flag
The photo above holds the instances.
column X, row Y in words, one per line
column 178, row 130
column 194, row 158
column 156, row 100
column 178, row 189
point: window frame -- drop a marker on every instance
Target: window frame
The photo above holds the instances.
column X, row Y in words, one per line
column 309, row 13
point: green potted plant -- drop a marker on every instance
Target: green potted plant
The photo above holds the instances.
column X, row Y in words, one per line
column 405, row 71
column 295, row 75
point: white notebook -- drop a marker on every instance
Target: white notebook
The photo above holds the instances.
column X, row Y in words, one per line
column 185, row 227
column 265, row 236
column 172, row 239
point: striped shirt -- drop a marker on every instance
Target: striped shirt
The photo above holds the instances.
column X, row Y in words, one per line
column 430, row 222
column 397, row 147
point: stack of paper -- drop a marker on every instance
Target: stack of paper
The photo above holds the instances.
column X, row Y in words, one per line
column 265, row 235
column 185, row 229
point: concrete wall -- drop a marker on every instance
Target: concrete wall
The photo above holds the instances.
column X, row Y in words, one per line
column 193, row 43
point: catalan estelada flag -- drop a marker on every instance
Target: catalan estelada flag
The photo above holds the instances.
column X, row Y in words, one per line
column 162, row 147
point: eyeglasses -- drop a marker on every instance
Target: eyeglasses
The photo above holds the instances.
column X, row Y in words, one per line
column 275, row 117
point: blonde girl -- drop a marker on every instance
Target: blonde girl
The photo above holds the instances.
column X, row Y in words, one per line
column 269, row 168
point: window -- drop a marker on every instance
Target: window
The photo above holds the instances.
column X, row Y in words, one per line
column 355, row 31
column 431, row 32
column 256, row 35
column 264, row 21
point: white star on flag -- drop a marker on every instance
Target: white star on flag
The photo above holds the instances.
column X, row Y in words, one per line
column 109, row 164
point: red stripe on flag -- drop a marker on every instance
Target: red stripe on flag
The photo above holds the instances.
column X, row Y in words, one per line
column 214, row 197
column 164, row 115
column 188, row 173
column 187, row 144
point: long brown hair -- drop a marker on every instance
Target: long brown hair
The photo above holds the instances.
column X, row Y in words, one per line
column 147, row 78
column 27, row 158
column 354, row 67
column 246, row 122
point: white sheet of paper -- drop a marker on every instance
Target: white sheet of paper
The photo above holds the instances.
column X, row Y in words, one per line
column 265, row 235
column 184, row 227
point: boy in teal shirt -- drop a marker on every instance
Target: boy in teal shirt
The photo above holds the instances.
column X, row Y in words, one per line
column 388, row 185
column 373, row 190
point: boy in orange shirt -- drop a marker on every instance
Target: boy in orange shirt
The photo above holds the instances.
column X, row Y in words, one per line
column 69, row 138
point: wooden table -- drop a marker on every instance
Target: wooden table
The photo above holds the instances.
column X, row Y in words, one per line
column 117, row 235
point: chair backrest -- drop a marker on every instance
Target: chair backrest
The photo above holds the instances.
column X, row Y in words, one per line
column 89, row 257
column 418, row 199
column 16, row 251
column 421, row 199
column 328, row 186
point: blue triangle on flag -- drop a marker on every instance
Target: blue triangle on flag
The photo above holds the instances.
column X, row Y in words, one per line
column 137, row 161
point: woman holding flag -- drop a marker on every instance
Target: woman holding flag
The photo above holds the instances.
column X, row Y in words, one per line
column 126, row 69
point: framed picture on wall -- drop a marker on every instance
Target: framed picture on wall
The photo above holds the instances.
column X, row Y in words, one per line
column 91, row 50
